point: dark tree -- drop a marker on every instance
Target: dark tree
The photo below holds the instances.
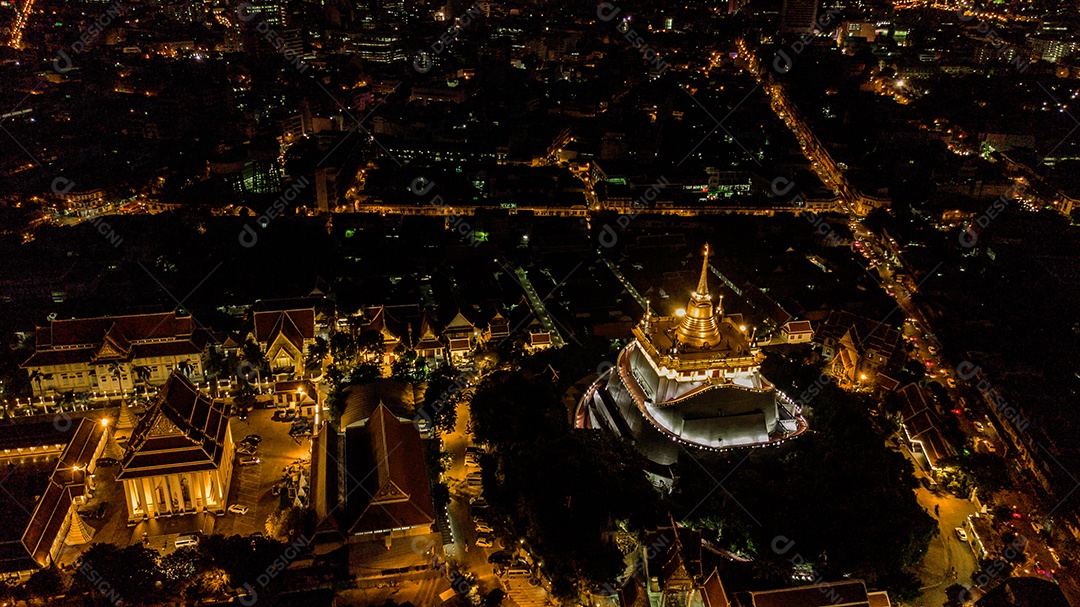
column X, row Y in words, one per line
column 130, row 571
column 45, row 583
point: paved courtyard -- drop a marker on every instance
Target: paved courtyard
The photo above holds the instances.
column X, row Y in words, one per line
column 251, row 485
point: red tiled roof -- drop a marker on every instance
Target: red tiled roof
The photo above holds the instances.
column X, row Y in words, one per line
column 913, row 401
column 879, row 599
column 300, row 323
column 53, row 507
column 799, row 326
column 713, row 594
column 403, row 496
column 886, row 382
column 193, row 346
column 122, row 337
column 134, row 328
column 183, row 430
column 47, row 358
column 834, row 594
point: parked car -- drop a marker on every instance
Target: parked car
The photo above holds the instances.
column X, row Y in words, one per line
column 245, row 449
column 979, row 427
column 284, row 415
column 249, row 461
column 107, row 462
column 254, row 439
column 187, row 540
column 485, row 541
column 483, row 527
column 275, row 490
column 961, row 534
column 238, row 509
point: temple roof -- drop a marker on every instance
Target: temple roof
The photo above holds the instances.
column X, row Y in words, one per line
column 182, row 431
column 116, row 339
column 38, row 531
column 697, row 334
column 397, row 493
column 297, row 325
column 826, row 594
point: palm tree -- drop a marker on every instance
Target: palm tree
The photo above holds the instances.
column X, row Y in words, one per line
column 38, row 376
column 185, row 367
column 67, row 398
column 114, row 371
column 141, row 373
column 255, row 357
column 316, row 353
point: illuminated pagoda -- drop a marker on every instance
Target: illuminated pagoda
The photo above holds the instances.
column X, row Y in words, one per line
column 690, row 379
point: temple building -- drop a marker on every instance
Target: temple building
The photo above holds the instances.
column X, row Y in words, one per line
column 285, row 336
column 113, row 354
column 179, row 457
column 691, row 379
column 48, row 475
column 370, row 484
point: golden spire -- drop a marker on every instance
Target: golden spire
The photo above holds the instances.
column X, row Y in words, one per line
column 699, row 327
column 703, row 282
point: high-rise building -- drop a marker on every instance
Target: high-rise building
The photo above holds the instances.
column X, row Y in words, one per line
column 798, row 16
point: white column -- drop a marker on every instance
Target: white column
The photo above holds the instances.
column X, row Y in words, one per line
column 130, row 496
column 149, row 499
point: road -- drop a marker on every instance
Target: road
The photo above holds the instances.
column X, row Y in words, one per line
column 537, row 304
column 948, row 560
column 638, row 297
column 883, row 256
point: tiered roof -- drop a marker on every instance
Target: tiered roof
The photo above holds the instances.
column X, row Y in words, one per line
column 295, row 325
column 116, row 339
column 182, row 431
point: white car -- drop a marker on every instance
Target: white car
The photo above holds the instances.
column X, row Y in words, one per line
column 483, row 527
column 238, row 509
column 961, row 534
column 249, row 461
column 484, row 541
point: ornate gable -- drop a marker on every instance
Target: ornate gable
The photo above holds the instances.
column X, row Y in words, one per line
column 389, row 492
column 163, row 426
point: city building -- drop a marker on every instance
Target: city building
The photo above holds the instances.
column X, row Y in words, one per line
column 1024, row 592
column 49, row 474
column 179, row 458
column 690, row 379
column 428, row 345
column 114, row 354
column 917, row 416
column 798, row 16
column 797, row 332
column 848, row 593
